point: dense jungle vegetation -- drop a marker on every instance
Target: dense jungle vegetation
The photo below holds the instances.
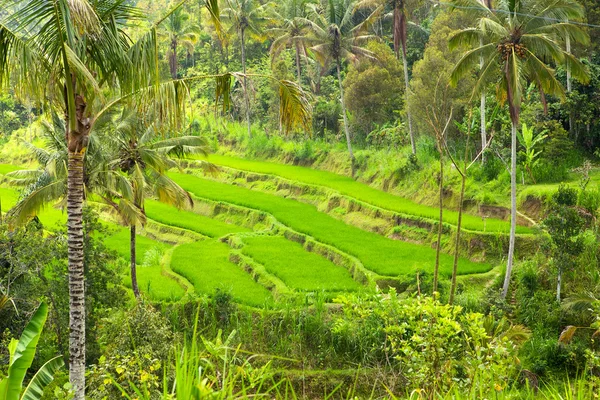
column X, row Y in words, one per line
column 299, row 199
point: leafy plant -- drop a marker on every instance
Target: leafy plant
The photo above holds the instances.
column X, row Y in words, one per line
column 22, row 352
column 531, row 142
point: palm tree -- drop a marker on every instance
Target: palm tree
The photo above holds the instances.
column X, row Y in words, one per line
column 144, row 158
column 180, row 31
column 336, row 39
column 292, row 31
column 514, row 42
column 47, row 184
column 245, row 16
column 400, row 12
column 64, row 53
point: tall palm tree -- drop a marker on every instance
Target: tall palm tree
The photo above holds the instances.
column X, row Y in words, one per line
column 515, row 42
column 336, row 39
column 66, row 53
column 180, row 32
column 292, row 31
column 145, row 157
column 245, row 17
column 400, row 15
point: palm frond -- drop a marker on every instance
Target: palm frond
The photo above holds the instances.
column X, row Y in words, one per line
column 181, row 146
column 81, row 71
column 295, row 109
column 466, row 37
column 543, row 75
column 470, row 61
column 30, row 205
column 169, row 192
column 578, row 70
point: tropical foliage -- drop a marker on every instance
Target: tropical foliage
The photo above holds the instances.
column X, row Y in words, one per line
column 386, row 199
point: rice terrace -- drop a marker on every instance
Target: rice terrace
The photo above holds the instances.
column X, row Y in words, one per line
column 301, row 199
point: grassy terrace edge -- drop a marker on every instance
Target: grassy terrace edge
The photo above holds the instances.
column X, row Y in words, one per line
column 362, row 192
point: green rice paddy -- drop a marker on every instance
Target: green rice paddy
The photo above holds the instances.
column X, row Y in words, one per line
column 296, row 267
column 120, row 242
column 360, row 191
column 379, row 254
column 155, row 285
column 206, row 265
column 189, row 220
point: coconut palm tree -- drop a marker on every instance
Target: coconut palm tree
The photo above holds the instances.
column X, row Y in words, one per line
column 65, row 54
column 291, row 32
column 515, row 42
column 245, row 16
column 336, row 38
column 47, row 184
column 400, row 16
column 180, row 32
column 144, row 157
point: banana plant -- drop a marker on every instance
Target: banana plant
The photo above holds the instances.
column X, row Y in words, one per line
column 22, row 352
column 531, row 141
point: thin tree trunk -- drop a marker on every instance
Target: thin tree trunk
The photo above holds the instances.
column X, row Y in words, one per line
column 346, row 129
column 482, row 112
column 569, row 86
column 242, row 33
column 134, row 284
column 438, row 248
column 568, row 43
column 558, row 284
column 76, row 273
column 483, row 131
column 413, row 143
column 173, row 59
column 298, row 69
column 513, row 209
column 457, row 243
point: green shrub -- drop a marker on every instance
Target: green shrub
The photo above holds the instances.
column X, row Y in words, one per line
column 589, row 199
column 437, row 346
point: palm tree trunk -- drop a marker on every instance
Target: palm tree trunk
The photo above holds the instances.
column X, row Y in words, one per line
column 513, row 208
column 457, row 242
column 569, row 86
column 438, row 248
column 76, row 273
column 134, row 284
column 559, row 283
column 483, row 131
column 413, row 143
column 482, row 112
column 247, row 100
column 346, row 129
column 298, row 70
column 173, row 59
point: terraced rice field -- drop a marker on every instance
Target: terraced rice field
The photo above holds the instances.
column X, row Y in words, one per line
column 189, row 220
column 157, row 286
column 384, row 256
column 360, row 191
column 119, row 241
column 296, row 267
column 206, row 265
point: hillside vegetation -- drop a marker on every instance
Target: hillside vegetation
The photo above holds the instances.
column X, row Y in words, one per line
column 301, row 199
